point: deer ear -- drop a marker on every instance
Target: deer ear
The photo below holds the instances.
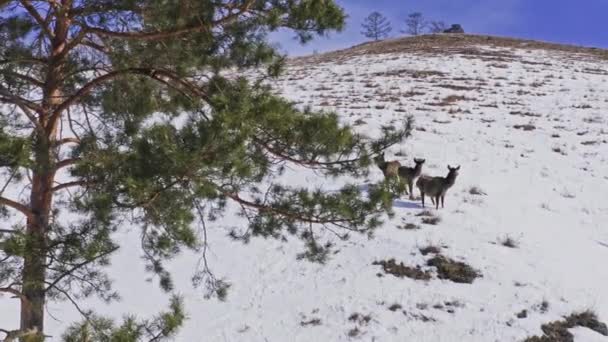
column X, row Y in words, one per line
column 458, row 168
column 449, row 167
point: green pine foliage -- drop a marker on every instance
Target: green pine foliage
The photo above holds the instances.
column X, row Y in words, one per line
column 121, row 113
column 163, row 327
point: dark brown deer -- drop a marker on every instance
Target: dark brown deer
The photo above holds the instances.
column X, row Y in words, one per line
column 436, row 187
column 409, row 175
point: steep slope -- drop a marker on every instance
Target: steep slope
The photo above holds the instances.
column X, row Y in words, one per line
column 526, row 121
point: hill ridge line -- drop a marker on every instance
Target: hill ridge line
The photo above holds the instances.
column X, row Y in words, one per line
column 433, row 43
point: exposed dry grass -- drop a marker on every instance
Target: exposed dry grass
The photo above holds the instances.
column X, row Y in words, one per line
column 409, row 226
column 509, row 242
column 557, row 331
column 433, row 221
column 526, row 127
column 311, row 322
column 456, row 271
column 399, row 270
column 456, row 87
column 475, row 190
column 449, row 100
column 395, row 307
column 430, row 249
column 425, row 213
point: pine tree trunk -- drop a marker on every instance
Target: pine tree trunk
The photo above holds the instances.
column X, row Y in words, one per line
column 41, row 197
column 34, row 271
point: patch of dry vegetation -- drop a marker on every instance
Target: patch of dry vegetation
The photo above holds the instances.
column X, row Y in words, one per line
column 456, row 271
column 557, row 331
column 399, row 270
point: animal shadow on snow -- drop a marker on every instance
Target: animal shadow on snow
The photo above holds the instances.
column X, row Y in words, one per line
column 406, row 204
column 397, row 203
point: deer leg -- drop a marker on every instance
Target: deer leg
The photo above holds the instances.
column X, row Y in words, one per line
column 442, row 198
column 411, row 186
column 422, row 196
column 437, row 202
column 433, row 200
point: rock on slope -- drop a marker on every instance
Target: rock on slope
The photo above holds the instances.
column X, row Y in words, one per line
column 525, row 120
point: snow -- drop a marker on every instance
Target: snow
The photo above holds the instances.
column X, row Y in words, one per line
column 553, row 204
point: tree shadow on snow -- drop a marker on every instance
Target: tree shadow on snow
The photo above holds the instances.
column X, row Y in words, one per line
column 602, row 244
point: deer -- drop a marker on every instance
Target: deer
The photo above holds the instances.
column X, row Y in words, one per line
column 390, row 169
column 436, row 187
column 409, row 175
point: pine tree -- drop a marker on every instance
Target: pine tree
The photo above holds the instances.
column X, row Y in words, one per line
column 116, row 113
column 415, row 24
column 376, row 26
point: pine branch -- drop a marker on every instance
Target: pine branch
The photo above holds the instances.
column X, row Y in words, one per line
column 8, row 231
column 24, row 60
column 86, row 315
column 75, row 41
column 26, row 78
column 15, row 293
column 149, row 72
column 173, row 33
column 17, row 206
column 84, row 90
column 302, row 162
column 25, row 106
column 67, row 141
column 78, row 266
column 34, row 13
column 8, row 181
column 66, row 162
column 289, row 215
column 14, row 335
column 70, row 185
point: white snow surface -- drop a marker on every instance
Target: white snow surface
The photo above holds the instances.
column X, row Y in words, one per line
column 545, row 188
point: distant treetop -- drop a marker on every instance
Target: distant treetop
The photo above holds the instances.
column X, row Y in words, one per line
column 376, row 26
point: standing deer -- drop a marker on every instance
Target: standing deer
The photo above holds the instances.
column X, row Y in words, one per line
column 409, row 175
column 389, row 168
column 436, row 187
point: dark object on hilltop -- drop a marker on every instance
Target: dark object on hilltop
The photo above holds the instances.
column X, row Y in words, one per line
column 455, row 28
column 437, row 27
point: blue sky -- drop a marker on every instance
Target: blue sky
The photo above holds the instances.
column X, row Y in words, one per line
column 582, row 22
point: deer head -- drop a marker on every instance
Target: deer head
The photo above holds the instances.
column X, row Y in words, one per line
column 453, row 171
column 379, row 159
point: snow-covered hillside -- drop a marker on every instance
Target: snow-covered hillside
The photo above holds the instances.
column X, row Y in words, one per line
column 529, row 126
